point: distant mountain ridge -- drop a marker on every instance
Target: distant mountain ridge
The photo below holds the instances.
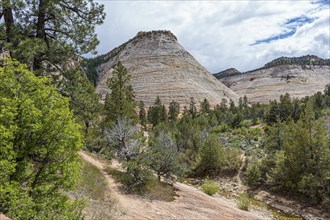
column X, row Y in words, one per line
column 298, row 76
column 303, row 61
column 160, row 66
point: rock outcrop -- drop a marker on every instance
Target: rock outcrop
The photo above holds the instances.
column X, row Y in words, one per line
column 160, row 66
column 297, row 76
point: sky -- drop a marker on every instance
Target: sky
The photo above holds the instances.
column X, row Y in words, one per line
column 223, row 34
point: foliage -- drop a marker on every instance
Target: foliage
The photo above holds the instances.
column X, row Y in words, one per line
column 303, row 60
column 142, row 114
column 192, row 108
column 302, row 164
column 39, row 140
column 162, row 156
column 210, row 188
column 173, row 110
column 243, row 202
column 123, row 136
column 205, row 106
column 254, row 173
column 152, row 188
column 46, row 34
column 120, row 102
column 90, row 67
column 157, row 113
column 84, row 103
column 212, row 155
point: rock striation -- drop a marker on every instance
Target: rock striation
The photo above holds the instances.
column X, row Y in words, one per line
column 160, row 66
column 297, row 76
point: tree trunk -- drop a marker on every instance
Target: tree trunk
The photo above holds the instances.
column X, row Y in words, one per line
column 40, row 32
column 9, row 20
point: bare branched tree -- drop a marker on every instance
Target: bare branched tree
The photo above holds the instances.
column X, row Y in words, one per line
column 122, row 136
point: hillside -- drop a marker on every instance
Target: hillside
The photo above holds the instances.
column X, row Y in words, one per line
column 299, row 77
column 160, row 66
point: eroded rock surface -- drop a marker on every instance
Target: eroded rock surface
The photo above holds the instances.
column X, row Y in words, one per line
column 269, row 83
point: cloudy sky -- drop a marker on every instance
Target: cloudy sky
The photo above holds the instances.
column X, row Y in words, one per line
column 224, row 34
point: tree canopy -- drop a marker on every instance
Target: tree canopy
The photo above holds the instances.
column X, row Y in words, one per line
column 45, row 33
column 121, row 101
column 39, row 141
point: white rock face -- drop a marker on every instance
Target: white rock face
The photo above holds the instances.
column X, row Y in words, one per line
column 268, row 84
column 160, row 66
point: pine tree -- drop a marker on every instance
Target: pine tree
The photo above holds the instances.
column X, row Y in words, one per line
column 173, row 110
column 223, row 105
column 232, row 107
column 205, row 106
column 142, row 114
column 157, row 112
column 303, row 163
column 276, row 136
column 120, row 102
column 192, row 108
column 212, row 155
column 44, row 34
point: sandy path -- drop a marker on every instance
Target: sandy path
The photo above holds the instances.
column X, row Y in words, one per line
column 189, row 204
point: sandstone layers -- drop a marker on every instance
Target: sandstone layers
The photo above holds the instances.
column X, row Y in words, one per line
column 160, row 66
column 269, row 83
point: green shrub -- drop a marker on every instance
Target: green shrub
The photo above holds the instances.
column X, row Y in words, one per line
column 220, row 129
column 254, row 174
column 210, row 188
column 243, row 202
column 246, row 123
column 151, row 187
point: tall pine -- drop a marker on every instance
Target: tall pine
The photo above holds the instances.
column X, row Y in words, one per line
column 120, row 101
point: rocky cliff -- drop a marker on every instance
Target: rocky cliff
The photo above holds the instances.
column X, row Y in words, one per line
column 299, row 77
column 160, row 66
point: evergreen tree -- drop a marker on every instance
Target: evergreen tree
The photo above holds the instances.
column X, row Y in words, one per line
column 157, row 113
column 205, row 106
column 142, row 114
column 276, row 135
column 232, row 107
column 45, row 34
column 223, row 105
column 272, row 112
column 120, row 102
column 245, row 102
column 285, row 107
column 84, row 103
column 297, row 108
column 173, row 110
column 303, row 164
column 240, row 104
column 192, row 108
column 327, row 95
column 212, row 155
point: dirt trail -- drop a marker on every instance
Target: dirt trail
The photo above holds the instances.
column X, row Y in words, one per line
column 241, row 187
column 190, row 203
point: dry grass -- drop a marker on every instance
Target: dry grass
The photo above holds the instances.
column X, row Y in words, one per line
column 92, row 184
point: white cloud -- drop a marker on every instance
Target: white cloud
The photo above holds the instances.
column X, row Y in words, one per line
column 220, row 33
